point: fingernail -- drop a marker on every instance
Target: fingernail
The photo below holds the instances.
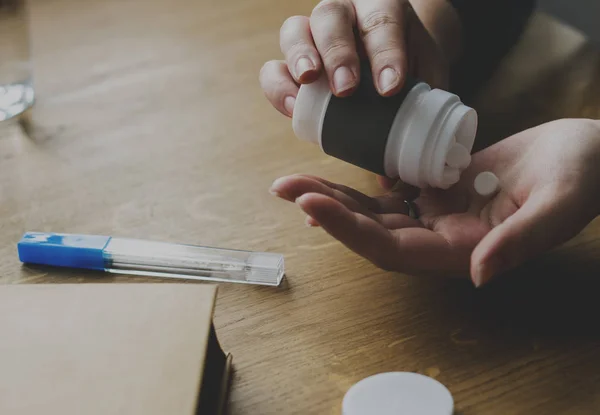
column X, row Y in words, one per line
column 343, row 79
column 299, row 200
column 288, row 104
column 478, row 276
column 486, row 271
column 304, row 65
column 274, row 188
column 388, row 80
column 308, row 222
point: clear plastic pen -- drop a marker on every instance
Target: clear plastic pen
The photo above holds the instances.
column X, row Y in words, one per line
column 150, row 258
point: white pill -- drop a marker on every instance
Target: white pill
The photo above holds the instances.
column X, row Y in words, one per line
column 486, row 183
column 398, row 393
column 458, row 157
column 451, row 176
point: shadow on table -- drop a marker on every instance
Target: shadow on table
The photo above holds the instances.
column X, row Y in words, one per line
column 552, row 297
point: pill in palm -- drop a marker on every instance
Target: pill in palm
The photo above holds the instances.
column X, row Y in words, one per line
column 486, row 183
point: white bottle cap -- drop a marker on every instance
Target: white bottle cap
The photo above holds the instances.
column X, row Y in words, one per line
column 432, row 130
column 398, row 393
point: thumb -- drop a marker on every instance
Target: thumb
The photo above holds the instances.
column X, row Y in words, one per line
column 548, row 218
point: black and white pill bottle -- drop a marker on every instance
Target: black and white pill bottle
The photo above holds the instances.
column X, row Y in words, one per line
column 422, row 136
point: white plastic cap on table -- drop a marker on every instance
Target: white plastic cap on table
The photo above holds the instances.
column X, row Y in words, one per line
column 398, row 393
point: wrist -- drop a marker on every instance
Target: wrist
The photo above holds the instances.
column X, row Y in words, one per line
column 443, row 23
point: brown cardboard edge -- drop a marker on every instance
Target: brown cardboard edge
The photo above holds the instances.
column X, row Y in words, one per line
column 211, row 325
column 225, row 384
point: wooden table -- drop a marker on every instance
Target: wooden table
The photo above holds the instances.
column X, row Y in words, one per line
column 151, row 124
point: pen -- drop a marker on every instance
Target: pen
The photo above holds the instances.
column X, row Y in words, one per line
column 151, row 258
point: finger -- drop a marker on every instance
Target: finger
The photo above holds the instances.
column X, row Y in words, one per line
column 279, row 86
column 359, row 233
column 386, row 183
column 311, row 222
column 394, row 221
column 393, row 202
column 332, row 23
column 292, row 187
column 543, row 222
column 298, row 47
column 408, row 250
column 381, row 28
column 368, row 201
column 495, row 211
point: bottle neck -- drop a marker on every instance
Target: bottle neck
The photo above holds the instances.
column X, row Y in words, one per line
column 431, row 139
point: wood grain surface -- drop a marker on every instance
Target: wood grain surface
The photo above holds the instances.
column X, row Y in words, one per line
column 150, row 123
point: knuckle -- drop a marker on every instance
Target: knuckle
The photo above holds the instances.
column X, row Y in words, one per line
column 385, row 52
column 338, row 8
column 377, row 21
column 296, row 47
column 292, row 36
column 293, row 22
column 336, row 50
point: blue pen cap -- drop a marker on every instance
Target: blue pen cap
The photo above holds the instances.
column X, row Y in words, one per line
column 63, row 250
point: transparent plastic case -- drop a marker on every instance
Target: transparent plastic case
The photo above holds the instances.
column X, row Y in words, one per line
column 130, row 256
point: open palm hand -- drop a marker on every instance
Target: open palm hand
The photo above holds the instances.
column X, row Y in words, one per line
column 549, row 177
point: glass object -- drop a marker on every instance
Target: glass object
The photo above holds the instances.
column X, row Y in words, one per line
column 16, row 84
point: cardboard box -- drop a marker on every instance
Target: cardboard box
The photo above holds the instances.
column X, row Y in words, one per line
column 108, row 349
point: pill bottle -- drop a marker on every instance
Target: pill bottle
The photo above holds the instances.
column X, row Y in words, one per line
column 422, row 136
